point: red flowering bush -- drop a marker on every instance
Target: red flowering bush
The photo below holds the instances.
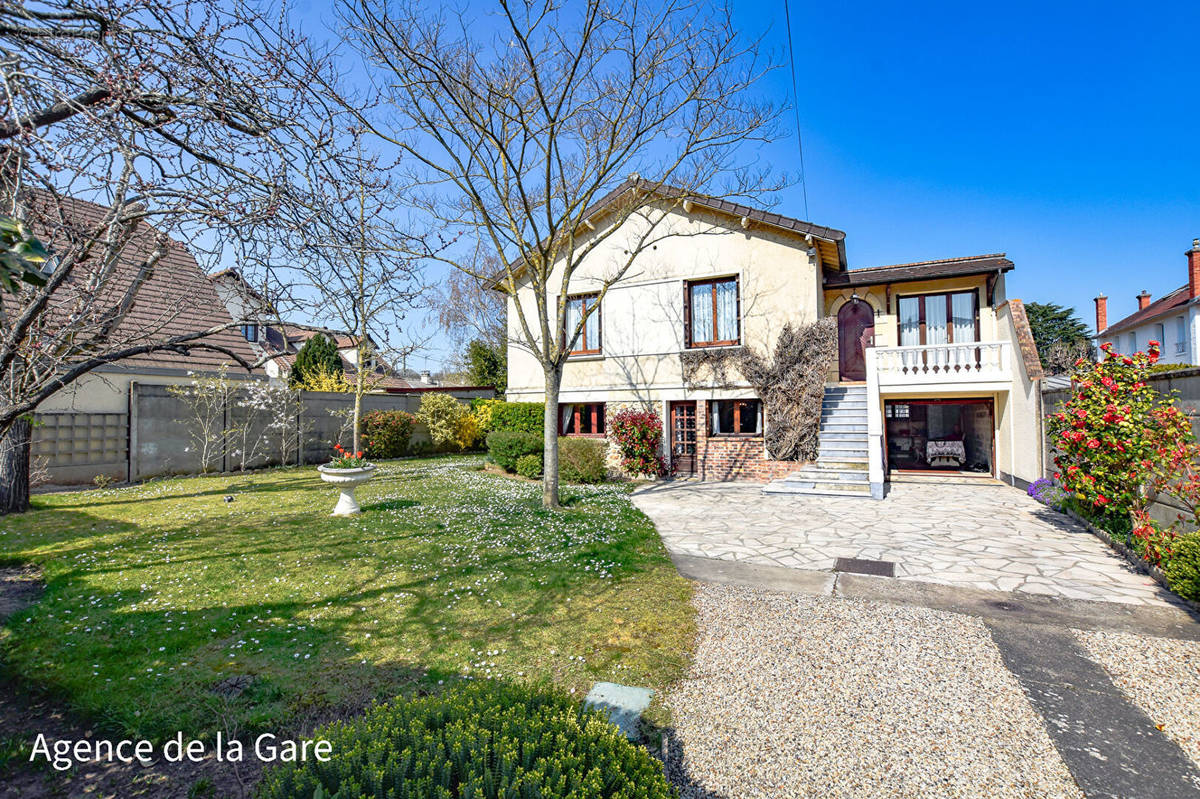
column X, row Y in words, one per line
column 1118, row 441
column 638, row 436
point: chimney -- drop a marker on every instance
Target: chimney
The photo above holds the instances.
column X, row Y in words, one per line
column 1194, row 269
column 1102, row 312
column 426, row 378
column 1143, row 299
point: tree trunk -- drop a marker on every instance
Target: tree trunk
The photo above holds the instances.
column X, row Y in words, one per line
column 550, row 439
column 14, row 467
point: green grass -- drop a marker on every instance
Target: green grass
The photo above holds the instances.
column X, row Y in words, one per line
column 160, row 595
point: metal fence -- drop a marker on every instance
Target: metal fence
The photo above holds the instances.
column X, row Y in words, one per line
column 154, row 437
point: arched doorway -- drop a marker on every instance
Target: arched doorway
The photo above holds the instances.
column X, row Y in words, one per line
column 856, row 329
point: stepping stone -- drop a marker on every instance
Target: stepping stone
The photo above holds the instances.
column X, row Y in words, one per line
column 623, row 704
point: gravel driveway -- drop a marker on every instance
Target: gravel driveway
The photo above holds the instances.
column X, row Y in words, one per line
column 795, row 696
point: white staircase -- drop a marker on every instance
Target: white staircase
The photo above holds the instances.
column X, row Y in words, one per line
column 841, row 467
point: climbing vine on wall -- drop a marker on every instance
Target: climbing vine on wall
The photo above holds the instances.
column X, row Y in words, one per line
column 790, row 381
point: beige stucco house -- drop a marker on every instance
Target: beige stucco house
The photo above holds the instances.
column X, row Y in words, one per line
column 936, row 368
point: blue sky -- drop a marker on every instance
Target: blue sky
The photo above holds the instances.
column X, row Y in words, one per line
column 1066, row 134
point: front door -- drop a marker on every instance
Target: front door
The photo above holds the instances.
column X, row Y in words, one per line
column 683, row 438
column 856, row 328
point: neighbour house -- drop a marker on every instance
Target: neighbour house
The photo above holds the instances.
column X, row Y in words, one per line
column 936, row 369
column 279, row 342
column 83, row 430
column 1172, row 320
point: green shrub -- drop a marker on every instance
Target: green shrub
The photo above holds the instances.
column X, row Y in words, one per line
column 479, row 740
column 581, row 460
column 529, row 466
column 420, row 448
column 450, row 422
column 1183, row 569
column 505, row 447
column 387, row 433
column 495, row 414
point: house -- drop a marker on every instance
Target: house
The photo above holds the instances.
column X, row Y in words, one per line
column 1172, row 320
column 279, row 342
column 936, row 372
column 83, row 430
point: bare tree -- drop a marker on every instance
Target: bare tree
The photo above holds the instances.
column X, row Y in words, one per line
column 469, row 309
column 126, row 129
column 355, row 268
column 522, row 128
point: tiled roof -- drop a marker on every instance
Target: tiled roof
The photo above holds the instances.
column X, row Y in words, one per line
column 833, row 235
column 920, row 270
column 176, row 299
column 1028, row 347
column 1160, row 307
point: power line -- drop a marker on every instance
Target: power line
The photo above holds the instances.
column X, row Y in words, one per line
column 787, row 16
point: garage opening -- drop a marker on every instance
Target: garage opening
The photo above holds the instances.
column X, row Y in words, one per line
column 955, row 436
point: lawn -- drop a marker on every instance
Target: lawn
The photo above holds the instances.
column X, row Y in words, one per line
column 169, row 608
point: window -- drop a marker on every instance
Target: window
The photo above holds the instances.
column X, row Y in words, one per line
column 712, row 313
column 735, row 417
column 250, row 332
column 1133, row 343
column 588, row 342
column 927, row 319
column 581, row 419
column 1180, row 334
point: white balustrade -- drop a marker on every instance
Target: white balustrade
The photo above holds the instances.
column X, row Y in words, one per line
column 974, row 362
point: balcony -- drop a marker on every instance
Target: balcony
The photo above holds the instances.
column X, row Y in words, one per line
column 942, row 364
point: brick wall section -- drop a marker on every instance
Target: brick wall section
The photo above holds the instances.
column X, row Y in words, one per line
column 735, row 457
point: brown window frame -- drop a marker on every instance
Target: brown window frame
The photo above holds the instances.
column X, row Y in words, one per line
column 737, row 417
column 921, row 297
column 582, row 343
column 597, row 413
column 687, row 311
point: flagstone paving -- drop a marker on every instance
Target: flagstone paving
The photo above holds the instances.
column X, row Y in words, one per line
column 986, row 535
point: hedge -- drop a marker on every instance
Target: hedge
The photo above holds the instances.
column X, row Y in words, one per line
column 582, row 460
column 506, row 447
column 388, row 433
column 494, row 414
column 479, row 740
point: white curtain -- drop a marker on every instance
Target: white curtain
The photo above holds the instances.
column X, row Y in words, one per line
column 963, row 308
column 935, row 319
column 593, row 326
column 702, row 319
column 565, row 412
column 727, row 321
column 574, row 311
column 910, row 321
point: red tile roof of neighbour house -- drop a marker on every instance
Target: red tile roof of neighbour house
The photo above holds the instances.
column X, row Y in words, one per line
column 283, row 341
column 920, row 270
column 1163, row 306
column 176, row 299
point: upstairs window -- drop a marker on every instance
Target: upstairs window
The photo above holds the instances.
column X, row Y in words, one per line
column 712, row 311
column 588, row 342
column 581, row 419
column 250, row 332
column 1180, row 334
column 931, row 319
column 735, row 417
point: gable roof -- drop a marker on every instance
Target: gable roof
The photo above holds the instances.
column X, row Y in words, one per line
column 178, row 298
column 1163, row 306
column 830, row 242
column 920, row 270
